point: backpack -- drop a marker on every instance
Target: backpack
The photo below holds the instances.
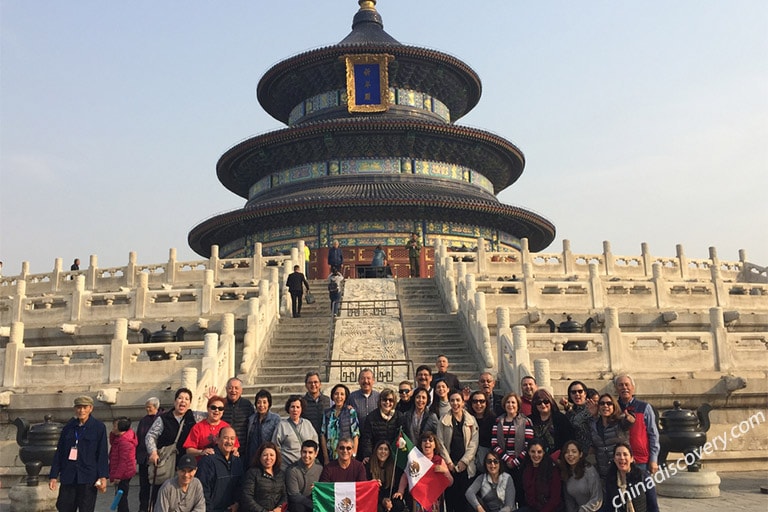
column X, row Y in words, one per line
column 333, row 286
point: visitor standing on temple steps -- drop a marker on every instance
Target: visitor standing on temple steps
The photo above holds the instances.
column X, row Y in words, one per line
column 414, row 254
column 335, row 256
column 296, row 283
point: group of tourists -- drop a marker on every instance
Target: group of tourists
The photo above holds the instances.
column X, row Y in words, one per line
column 493, row 452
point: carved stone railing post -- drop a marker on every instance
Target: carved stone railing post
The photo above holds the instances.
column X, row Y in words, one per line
column 58, row 264
column 608, row 257
column 596, row 288
column 142, row 295
column 209, row 289
column 170, row 267
column 521, row 356
column 257, row 263
column 210, row 356
column 213, row 262
column 525, row 253
column 482, row 333
column 541, row 374
column 117, row 351
column 569, row 263
column 189, row 379
column 228, row 340
column 93, row 267
column 13, row 363
column 130, row 270
column 645, row 254
column 482, row 264
column 616, row 347
column 250, row 338
column 18, row 300
column 659, row 286
column 528, row 286
column 723, row 360
column 682, row 260
column 78, row 299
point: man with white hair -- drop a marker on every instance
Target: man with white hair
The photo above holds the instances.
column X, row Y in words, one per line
column 643, row 435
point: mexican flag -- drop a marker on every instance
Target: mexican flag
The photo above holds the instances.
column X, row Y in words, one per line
column 425, row 485
column 345, row 496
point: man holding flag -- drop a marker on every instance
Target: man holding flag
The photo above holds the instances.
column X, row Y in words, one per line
column 425, row 472
column 344, row 486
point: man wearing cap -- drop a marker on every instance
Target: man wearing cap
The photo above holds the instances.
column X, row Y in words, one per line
column 81, row 462
column 184, row 492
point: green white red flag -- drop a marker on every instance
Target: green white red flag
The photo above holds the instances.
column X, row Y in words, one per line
column 345, row 496
column 424, row 484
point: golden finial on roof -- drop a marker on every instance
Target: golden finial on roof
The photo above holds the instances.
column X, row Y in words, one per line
column 367, row 5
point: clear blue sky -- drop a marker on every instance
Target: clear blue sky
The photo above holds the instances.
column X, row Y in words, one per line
column 640, row 121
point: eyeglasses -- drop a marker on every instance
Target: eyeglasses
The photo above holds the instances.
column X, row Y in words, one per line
column 390, row 400
column 485, row 381
column 216, row 408
column 541, row 402
column 403, row 391
column 606, row 404
column 577, row 391
column 492, row 462
column 344, row 448
column 478, row 401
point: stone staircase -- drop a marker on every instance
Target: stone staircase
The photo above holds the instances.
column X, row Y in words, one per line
column 429, row 331
column 300, row 345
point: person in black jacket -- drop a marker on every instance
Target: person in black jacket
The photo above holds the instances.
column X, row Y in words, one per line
column 382, row 424
column 549, row 424
column 296, row 283
column 264, row 483
column 221, row 473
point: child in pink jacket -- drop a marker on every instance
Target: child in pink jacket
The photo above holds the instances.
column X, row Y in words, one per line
column 122, row 458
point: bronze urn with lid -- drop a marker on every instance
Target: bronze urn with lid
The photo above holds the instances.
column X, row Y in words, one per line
column 37, row 445
column 684, row 431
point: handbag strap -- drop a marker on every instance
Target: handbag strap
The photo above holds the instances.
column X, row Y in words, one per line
column 296, row 430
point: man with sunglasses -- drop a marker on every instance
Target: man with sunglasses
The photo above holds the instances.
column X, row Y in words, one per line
column 643, row 435
column 345, row 468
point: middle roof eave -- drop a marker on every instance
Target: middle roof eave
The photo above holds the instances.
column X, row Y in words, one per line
column 494, row 157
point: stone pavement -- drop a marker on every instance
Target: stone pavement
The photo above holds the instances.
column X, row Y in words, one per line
column 739, row 492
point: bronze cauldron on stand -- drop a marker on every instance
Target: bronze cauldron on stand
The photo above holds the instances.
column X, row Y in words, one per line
column 684, row 431
column 571, row 325
column 162, row 336
column 37, row 445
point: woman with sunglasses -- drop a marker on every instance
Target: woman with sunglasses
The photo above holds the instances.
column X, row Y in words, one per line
column 382, row 468
column 550, row 426
column 609, row 428
column 580, row 411
column 582, row 489
column 625, row 489
column 479, row 408
column 419, row 419
column 541, row 480
column 430, row 447
column 382, row 424
column 492, row 491
column 204, row 435
column 339, row 421
column 509, row 440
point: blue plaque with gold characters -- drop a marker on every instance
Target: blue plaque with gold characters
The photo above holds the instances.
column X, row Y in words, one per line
column 368, row 82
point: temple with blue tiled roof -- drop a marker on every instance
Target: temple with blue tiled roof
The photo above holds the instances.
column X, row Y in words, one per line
column 371, row 154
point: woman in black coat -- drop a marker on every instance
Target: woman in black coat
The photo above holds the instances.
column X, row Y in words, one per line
column 264, row 484
column 549, row 425
column 381, row 425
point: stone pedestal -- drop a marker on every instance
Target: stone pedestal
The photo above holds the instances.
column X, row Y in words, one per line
column 686, row 484
column 38, row 498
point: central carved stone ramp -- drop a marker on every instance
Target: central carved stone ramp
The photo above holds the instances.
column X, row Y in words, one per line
column 298, row 345
column 429, row 331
